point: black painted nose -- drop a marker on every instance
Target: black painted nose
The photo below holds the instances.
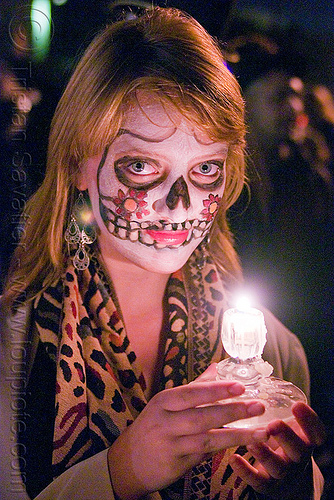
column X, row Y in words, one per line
column 178, row 190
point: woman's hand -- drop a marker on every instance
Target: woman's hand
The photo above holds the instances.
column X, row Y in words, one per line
column 178, row 429
column 283, row 468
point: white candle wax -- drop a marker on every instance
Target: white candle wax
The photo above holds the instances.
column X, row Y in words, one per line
column 244, row 333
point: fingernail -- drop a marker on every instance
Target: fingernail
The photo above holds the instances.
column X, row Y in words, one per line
column 260, row 435
column 276, row 427
column 236, row 389
column 255, row 408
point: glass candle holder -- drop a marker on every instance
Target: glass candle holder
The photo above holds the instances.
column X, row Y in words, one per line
column 244, row 335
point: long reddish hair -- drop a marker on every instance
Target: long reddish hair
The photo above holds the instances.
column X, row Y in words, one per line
column 164, row 51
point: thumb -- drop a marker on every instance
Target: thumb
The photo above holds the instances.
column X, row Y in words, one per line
column 208, row 375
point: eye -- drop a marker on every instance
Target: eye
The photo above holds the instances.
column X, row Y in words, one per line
column 208, row 173
column 141, row 167
column 206, row 168
column 134, row 167
column 138, row 172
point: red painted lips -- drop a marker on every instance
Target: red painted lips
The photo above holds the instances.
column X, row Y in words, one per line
column 168, row 237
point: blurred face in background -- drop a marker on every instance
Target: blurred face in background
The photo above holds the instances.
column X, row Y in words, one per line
column 274, row 106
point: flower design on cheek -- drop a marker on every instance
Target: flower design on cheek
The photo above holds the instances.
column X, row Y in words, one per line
column 130, row 203
column 211, row 206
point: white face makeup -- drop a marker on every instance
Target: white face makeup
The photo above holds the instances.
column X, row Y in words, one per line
column 156, row 189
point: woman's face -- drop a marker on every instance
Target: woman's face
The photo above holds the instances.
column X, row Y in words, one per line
column 155, row 190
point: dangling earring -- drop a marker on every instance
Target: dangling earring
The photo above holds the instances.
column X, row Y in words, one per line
column 80, row 216
column 203, row 253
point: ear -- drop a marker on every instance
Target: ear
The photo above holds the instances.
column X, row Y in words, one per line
column 81, row 179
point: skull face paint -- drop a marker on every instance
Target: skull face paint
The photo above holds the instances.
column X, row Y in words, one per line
column 130, row 203
column 178, row 192
column 123, row 214
column 157, row 188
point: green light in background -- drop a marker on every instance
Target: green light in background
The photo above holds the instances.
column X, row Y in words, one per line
column 41, row 28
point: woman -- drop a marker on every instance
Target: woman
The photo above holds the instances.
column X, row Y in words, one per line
column 119, row 283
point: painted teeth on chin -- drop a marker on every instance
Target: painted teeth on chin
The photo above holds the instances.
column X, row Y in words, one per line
column 197, row 233
column 190, row 235
column 146, row 238
column 111, row 215
column 159, row 246
column 122, row 233
column 122, row 223
column 178, row 246
column 111, row 227
column 131, row 230
column 134, row 235
column 157, row 225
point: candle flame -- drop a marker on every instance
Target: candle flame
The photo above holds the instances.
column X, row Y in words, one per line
column 243, row 303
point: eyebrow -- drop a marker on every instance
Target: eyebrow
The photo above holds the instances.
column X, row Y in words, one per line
column 123, row 131
column 222, row 151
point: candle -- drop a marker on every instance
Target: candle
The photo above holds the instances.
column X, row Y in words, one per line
column 244, row 336
column 244, row 333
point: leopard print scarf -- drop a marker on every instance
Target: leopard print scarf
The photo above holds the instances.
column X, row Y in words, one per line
column 100, row 388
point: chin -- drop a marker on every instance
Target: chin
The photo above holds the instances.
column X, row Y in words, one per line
column 164, row 261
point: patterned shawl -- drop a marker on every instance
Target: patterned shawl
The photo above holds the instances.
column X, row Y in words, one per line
column 100, row 386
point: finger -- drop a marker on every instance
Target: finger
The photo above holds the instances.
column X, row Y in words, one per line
column 210, row 374
column 257, row 479
column 201, row 393
column 310, row 423
column 218, row 439
column 204, row 418
column 274, row 464
column 293, row 446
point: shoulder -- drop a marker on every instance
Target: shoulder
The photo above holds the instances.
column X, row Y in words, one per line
column 14, row 324
column 285, row 353
column 280, row 337
column 13, row 352
column 15, row 336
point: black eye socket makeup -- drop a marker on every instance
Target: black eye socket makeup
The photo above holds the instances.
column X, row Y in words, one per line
column 122, row 175
column 122, row 165
column 154, row 178
column 206, row 167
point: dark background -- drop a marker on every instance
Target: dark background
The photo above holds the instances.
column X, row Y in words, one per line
column 285, row 241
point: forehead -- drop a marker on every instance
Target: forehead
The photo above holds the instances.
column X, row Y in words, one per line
column 156, row 119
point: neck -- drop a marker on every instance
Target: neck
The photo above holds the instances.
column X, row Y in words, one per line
column 140, row 294
column 137, row 289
